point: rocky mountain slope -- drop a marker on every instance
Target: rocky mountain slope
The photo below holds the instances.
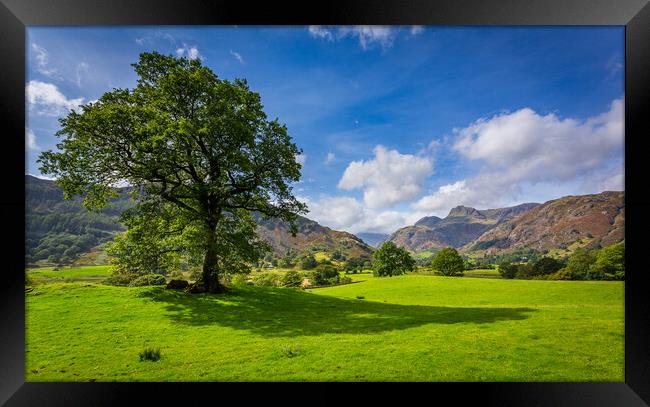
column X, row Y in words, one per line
column 585, row 220
column 461, row 226
column 59, row 230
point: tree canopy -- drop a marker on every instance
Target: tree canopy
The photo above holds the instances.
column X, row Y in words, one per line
column 448, row 262
column 390, row 260
column 200, row 153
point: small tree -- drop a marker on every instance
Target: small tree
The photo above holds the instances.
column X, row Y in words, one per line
column 546, row 265
column 577, row 267
column 308, row 262
column 391, row 260
column 507, row 270
column 448, row 262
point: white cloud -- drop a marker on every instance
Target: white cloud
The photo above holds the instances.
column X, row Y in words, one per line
column 524, row 148
column 43, row 62
column 30, row 140
column 417, row 30
column 350, row 215
column 320, row 32
column 367, row 35
column 388, row 178
column 237, row 56
column 189, row 52
column 48, row 100
column 329, row 158
column 301, row 158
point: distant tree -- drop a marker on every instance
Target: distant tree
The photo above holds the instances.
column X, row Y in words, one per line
column 308, row 262
column 546, row 265
column 579, row 263
column 610, row 263
column 448, row 262
column 391, row 260
column 508, row 270
column 188, row 143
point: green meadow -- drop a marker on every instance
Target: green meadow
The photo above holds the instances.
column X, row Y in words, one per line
column 406, row 328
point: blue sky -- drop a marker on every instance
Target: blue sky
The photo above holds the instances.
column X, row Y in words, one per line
column 395, row 122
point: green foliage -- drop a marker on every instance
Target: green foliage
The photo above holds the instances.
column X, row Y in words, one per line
column 191, row 145
column 148, row 279
column 609, row 264
column 308, row 262
column 324, row 274
column 448, row 262
column 391, row 260
column 545, row 266
column 291, row 278
column 267, row 279
column 239, row 279
column 507, row 270
column 578, row 266
column 152, row 354
column 356, row 264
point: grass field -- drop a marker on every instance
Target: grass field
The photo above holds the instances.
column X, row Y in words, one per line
column 411, row 328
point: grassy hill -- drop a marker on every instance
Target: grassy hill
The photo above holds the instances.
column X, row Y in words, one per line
column 407, row 328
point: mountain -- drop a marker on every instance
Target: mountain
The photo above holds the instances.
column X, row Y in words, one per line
column 560, row 224
column 373, row 239
column 461, row 226
column 60, row 231
column 310, row 236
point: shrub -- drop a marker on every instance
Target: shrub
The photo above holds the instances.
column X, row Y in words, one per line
column 150, row 354
column 546, row 265
column 148, row 279
column 176, row 275
column 240, row 279
column 291, row 278
column 507, row 270
column 266, row 279
column 308, row 262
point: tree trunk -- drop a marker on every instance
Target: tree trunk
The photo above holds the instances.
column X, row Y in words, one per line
column 211, row 267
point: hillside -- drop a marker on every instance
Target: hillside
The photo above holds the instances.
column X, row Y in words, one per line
column 560, row 224
column 461, row 226
column 61, row 231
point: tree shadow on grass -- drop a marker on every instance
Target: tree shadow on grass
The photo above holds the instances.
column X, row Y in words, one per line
column 282, row 312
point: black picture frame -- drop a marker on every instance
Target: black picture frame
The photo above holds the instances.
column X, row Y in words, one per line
column 16, row 15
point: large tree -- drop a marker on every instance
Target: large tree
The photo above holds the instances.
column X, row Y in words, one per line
column 199, row 152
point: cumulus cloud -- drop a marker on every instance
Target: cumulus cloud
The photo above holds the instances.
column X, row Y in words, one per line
column 526, row 148
column 367, row 35
column 47, row 100
column 237, row 56
column 330, row 157
column 30, row 140
column 351, row 215
column 388, row 178
column 190, row 52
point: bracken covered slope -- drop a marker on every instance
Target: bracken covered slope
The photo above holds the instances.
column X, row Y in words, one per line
column 585, row 220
